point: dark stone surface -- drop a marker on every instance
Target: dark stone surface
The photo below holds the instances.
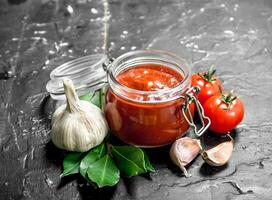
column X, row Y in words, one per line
column 36, row 36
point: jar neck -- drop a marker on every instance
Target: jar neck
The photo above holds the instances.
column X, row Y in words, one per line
column 144, row 57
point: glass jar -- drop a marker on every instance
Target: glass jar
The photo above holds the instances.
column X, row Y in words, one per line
column 136, row 116
column 151, row 118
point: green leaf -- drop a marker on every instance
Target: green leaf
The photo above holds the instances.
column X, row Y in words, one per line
column 104, row 172
column 92, row 156
column 71, row 163
column 93, row 97
column 87, row 97
column 131, row 160
column 148, row 165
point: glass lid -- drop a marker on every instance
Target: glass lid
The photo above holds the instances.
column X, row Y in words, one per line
column 86, row 72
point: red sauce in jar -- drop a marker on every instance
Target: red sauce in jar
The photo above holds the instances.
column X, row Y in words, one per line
column 150, row 78
column 146, row 125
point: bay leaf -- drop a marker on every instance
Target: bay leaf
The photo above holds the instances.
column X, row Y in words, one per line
column 93, row 97
column 92, row 156
column 131, row 160
column 104, row 172
column 87, row 97
column 148, row 165
column 71, row 163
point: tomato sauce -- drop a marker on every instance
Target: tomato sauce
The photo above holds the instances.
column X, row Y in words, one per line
column 150, row 78
column 151, row 124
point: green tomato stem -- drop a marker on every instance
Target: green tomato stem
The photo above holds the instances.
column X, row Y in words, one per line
column 209, row 75
column 229, row 98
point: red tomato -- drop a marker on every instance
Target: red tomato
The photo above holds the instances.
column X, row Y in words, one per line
column 209, row 84
column 226, row 111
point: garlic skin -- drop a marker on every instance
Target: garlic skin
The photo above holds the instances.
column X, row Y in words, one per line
column 220, row 154
column 77, row 125
column 184, row 151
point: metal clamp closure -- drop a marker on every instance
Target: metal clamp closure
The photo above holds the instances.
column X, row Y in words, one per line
column 190, row 97
column 106, row 66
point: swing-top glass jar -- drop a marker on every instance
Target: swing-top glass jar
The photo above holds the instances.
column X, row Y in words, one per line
column 149, row 101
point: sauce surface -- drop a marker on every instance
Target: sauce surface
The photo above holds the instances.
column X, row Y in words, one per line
column 149, row 77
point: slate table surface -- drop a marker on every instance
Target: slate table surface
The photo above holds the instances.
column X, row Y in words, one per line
column 38, row 35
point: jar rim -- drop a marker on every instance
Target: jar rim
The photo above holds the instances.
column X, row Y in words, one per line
column 183, row 85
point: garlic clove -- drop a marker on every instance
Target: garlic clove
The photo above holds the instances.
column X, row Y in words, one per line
column 184, row 151
column 220, row 154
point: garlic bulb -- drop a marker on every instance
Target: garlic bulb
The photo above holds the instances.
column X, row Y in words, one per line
column 220, row 154
column 77, row 125
column 184, row 151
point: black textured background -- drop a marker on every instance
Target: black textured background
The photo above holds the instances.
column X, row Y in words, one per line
column 38, row 35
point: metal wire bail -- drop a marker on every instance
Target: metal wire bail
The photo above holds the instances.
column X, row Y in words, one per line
column 191, row 98
column 107, row 65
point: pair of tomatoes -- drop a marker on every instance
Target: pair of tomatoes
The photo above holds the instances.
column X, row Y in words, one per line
column 224, row 109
